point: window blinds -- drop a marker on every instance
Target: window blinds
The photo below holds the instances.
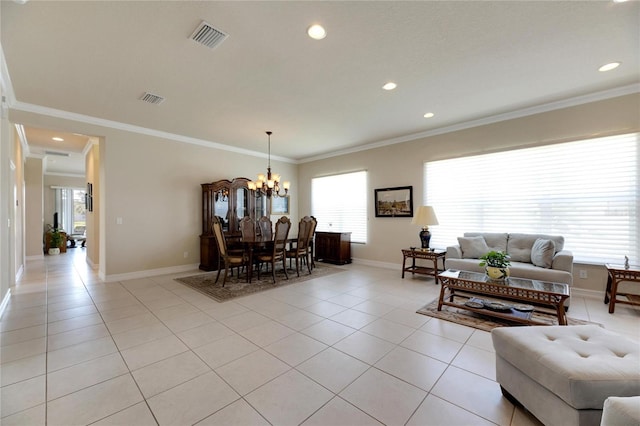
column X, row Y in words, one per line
column 587, row 191
column 339, row 203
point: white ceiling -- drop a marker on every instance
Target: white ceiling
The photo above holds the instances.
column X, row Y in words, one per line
column 461, row 60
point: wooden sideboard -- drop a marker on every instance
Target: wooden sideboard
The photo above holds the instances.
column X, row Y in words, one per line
column 63, row 242
column 333, row 247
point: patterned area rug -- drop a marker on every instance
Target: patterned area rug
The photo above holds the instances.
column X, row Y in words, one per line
column 484, row 322
column 238, row 287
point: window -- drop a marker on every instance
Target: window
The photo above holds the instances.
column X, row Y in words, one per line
column 586, row 191
column 339, row 203
column 70, row 204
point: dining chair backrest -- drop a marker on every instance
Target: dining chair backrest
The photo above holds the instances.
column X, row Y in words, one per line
column 247, row 228
column 312, row 230
column 216, row 227
column 304, row 228
column 282, row 232
column 266, row 228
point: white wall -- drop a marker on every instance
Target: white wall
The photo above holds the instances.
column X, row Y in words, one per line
column 153, row 184
column 34, row 208
column 402, row 165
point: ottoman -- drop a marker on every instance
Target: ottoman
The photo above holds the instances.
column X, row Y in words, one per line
column 563, row 374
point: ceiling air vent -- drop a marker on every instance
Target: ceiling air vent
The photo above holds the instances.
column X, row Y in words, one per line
column 151, row 98
column 207, row 35
column 59, row 154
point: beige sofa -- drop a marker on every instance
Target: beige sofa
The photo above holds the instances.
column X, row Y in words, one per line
column 533, row 256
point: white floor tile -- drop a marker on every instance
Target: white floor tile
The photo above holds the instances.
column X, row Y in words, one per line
column 333, row 369
column 328, row 332
column 289, row 399
column 225, row 350
column 339, row 412
column 22, row 395
column 365, row 347
column 207, row 333
column 412, row 367
column 436, row 412
column 266, row 333
column 388, row 330
column 163, row 375
column 477, row 361
column 387, row 399
column 138, row 414
column 94, row 403
column 474, row 393
column 295, row 348
column 238, row 413
column 192, row 401
column 431, row 345
column 252, row 371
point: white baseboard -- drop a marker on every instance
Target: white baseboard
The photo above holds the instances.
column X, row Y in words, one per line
column 5, row 302
column 589, row 294
column 149, row 272
column 19, row 273
column 385, row 265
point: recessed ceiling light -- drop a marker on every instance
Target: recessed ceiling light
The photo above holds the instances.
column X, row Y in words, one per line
column 609, row 67
column 390, row 86
column 428, row 115
column 57, row 139
column 317, row 32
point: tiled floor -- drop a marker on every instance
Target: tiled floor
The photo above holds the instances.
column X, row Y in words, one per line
column 347, row 349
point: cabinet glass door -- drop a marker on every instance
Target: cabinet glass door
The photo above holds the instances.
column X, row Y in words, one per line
column 242, row 205
column 221, row 209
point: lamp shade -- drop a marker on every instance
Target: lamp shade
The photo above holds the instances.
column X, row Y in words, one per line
column 425, row 216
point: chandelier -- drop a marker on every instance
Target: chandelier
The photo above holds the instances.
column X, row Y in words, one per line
column 269, row 185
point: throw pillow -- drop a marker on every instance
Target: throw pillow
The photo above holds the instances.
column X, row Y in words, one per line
column 542, row 253
column 473, row 247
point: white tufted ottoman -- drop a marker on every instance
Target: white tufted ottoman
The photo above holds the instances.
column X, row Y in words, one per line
column 563, row 374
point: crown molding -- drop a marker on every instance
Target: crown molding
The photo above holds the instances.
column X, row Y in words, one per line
column 23, row 139
column 66, row 115
column 5, row 80
column 73, row 175
column 538, row 109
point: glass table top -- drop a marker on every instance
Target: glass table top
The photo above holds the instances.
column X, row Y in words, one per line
column 524, row 283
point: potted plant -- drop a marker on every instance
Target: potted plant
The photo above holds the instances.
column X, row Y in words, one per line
column 496, row 265
column 54, row 242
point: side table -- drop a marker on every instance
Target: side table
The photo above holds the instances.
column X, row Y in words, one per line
column 427, row 254
column 618, row 274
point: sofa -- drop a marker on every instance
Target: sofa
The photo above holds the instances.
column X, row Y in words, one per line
column 533, row 256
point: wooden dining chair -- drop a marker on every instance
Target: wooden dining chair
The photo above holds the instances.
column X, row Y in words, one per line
column 266, row 227
column 310, row 245
column 225, row 258
column 278, row 252
column 247, row 228
column 301, row 251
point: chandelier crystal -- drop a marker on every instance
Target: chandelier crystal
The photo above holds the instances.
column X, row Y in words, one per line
column 269, row 185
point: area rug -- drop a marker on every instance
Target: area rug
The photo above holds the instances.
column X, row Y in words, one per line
column 238, row 287
column 484, row 322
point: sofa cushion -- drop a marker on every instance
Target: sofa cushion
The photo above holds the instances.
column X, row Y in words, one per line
column 473, row 247
column 519, row 245
column 542, row 253
column 495, row 241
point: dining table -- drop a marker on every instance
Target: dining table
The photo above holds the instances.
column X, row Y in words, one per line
column 253, row 244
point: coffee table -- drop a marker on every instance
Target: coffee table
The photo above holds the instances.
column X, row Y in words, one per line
column 459, row 287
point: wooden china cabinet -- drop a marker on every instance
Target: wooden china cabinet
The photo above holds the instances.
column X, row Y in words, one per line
column 230, row 200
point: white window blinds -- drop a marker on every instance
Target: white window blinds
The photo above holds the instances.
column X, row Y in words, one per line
column 586, row 191
column 339, row 203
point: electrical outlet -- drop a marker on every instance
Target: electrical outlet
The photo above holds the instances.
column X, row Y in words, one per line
column 583, row 274
column 186, row 254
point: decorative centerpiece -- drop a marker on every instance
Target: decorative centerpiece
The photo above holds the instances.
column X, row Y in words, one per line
column 496, row 265
column 55, row 241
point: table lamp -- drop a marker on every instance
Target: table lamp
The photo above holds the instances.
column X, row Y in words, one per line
column 425, row 216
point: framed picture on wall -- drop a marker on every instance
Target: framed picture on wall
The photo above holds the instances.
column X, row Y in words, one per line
column 280, row 205
column 394, row 202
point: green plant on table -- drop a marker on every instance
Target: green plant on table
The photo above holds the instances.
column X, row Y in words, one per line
column 496, row 259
